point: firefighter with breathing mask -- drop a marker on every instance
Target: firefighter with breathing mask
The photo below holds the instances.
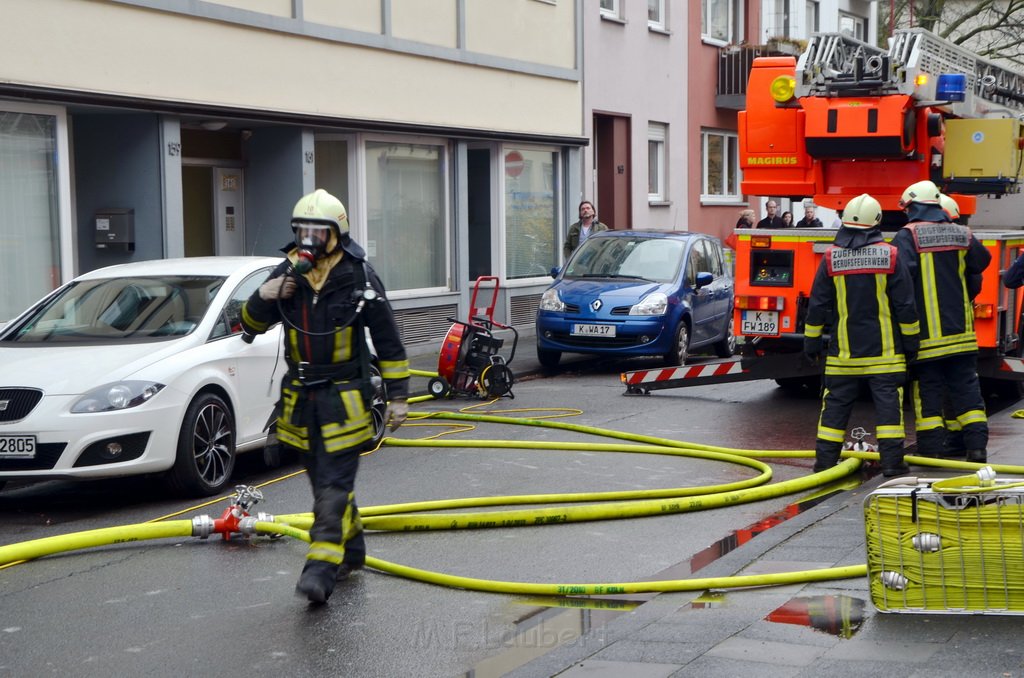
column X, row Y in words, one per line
column 943, row 258
column 325, row 293
column 864, row 292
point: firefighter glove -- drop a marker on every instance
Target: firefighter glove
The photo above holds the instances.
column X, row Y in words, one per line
column 396, row 414
column 813, row 348
column 910, row 347
column 277, row 288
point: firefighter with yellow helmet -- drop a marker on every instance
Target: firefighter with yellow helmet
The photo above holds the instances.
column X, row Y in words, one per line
column 325, row 293
column 942, row 257
column 865, row 294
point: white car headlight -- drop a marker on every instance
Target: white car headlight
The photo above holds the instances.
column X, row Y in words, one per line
column 119, row 396
column 653, row 304
column 550, row 301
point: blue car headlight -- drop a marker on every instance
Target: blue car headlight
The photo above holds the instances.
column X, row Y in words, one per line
column 118, row 396
column 655, row 303
column 550, row 301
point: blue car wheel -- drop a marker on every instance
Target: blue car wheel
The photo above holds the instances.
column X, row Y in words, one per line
column 680, row 349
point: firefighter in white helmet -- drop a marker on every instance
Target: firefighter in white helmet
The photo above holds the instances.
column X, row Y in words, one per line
column 866, row 294
column 941, row 257
column 325, row 293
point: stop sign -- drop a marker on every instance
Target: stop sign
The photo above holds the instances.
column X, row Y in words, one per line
column 514, row 163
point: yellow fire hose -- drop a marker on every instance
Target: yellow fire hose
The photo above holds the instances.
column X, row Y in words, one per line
column 619, row 505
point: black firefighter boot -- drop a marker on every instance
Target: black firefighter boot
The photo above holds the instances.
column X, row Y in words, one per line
column 317, row 581
column 826, row 454
column 891, row 456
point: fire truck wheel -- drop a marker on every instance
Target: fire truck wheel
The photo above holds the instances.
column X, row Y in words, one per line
column 1004, row 389
column 727, row 345
column 548, row 359
column 800, row 385
column 438, row 387
column 680, row 346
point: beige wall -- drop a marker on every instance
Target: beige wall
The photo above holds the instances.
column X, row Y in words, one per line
column 124, row 50
column 509, row 28
column 275, row 7
column 430, row 21
column 359, row 15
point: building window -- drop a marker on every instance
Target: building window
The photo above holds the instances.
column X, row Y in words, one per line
column 532, row 225
column 778, row 20
column 657, row 134
column 406, row 214
column 29, row 212
column 853, row 26
column 812, row 17
column 611, row 9
column 720, row 156
column 721, row 21
column 656, row 15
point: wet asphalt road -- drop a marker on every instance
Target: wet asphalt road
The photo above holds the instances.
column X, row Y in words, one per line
column 192, row 607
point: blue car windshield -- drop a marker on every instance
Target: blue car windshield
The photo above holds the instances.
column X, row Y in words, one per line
column 653, row 259
column 120, row 309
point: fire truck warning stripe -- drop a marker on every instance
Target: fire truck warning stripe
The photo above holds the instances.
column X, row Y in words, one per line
column 1012, row 365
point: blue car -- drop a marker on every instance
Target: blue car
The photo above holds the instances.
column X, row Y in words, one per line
column 639, row 293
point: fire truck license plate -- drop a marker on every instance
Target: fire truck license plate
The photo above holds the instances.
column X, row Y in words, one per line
column 765, row 323
column 579, row 330
column 17, row 447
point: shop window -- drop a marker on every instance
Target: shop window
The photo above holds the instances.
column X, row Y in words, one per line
column 406, row 214
column 532, row 183
column 29, row 216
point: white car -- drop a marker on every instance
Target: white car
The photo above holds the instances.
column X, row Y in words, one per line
column 141, row 368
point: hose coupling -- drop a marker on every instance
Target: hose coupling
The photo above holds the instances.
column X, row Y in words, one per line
column 202, row 526
column 247, row 525
column 986, row 476
column 927, row 542
column 894, row 580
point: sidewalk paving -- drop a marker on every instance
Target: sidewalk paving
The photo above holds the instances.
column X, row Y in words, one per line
column 729, row 633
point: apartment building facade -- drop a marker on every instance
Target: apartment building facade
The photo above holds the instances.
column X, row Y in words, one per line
column 451, row 129
column 635, row 93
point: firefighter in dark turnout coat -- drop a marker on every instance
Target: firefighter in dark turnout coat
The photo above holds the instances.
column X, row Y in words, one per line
column 942, row 258
column 865, row 293
column 325, row 293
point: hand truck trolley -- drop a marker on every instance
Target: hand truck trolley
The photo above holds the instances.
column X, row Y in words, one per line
column 469, row 363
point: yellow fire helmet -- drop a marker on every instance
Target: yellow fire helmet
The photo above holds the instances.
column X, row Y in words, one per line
column 925, row 192
column 321, row 207
column 948, row 204
column 862, row 212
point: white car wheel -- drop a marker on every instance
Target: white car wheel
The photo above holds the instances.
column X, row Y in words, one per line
column 206, row 448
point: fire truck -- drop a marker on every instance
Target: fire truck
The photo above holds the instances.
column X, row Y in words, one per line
column 850, row 118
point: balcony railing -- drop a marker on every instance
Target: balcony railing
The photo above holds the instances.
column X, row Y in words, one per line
column 734, row 64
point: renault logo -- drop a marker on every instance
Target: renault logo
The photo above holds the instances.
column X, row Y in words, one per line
column 3, row 405
column 595, row 305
